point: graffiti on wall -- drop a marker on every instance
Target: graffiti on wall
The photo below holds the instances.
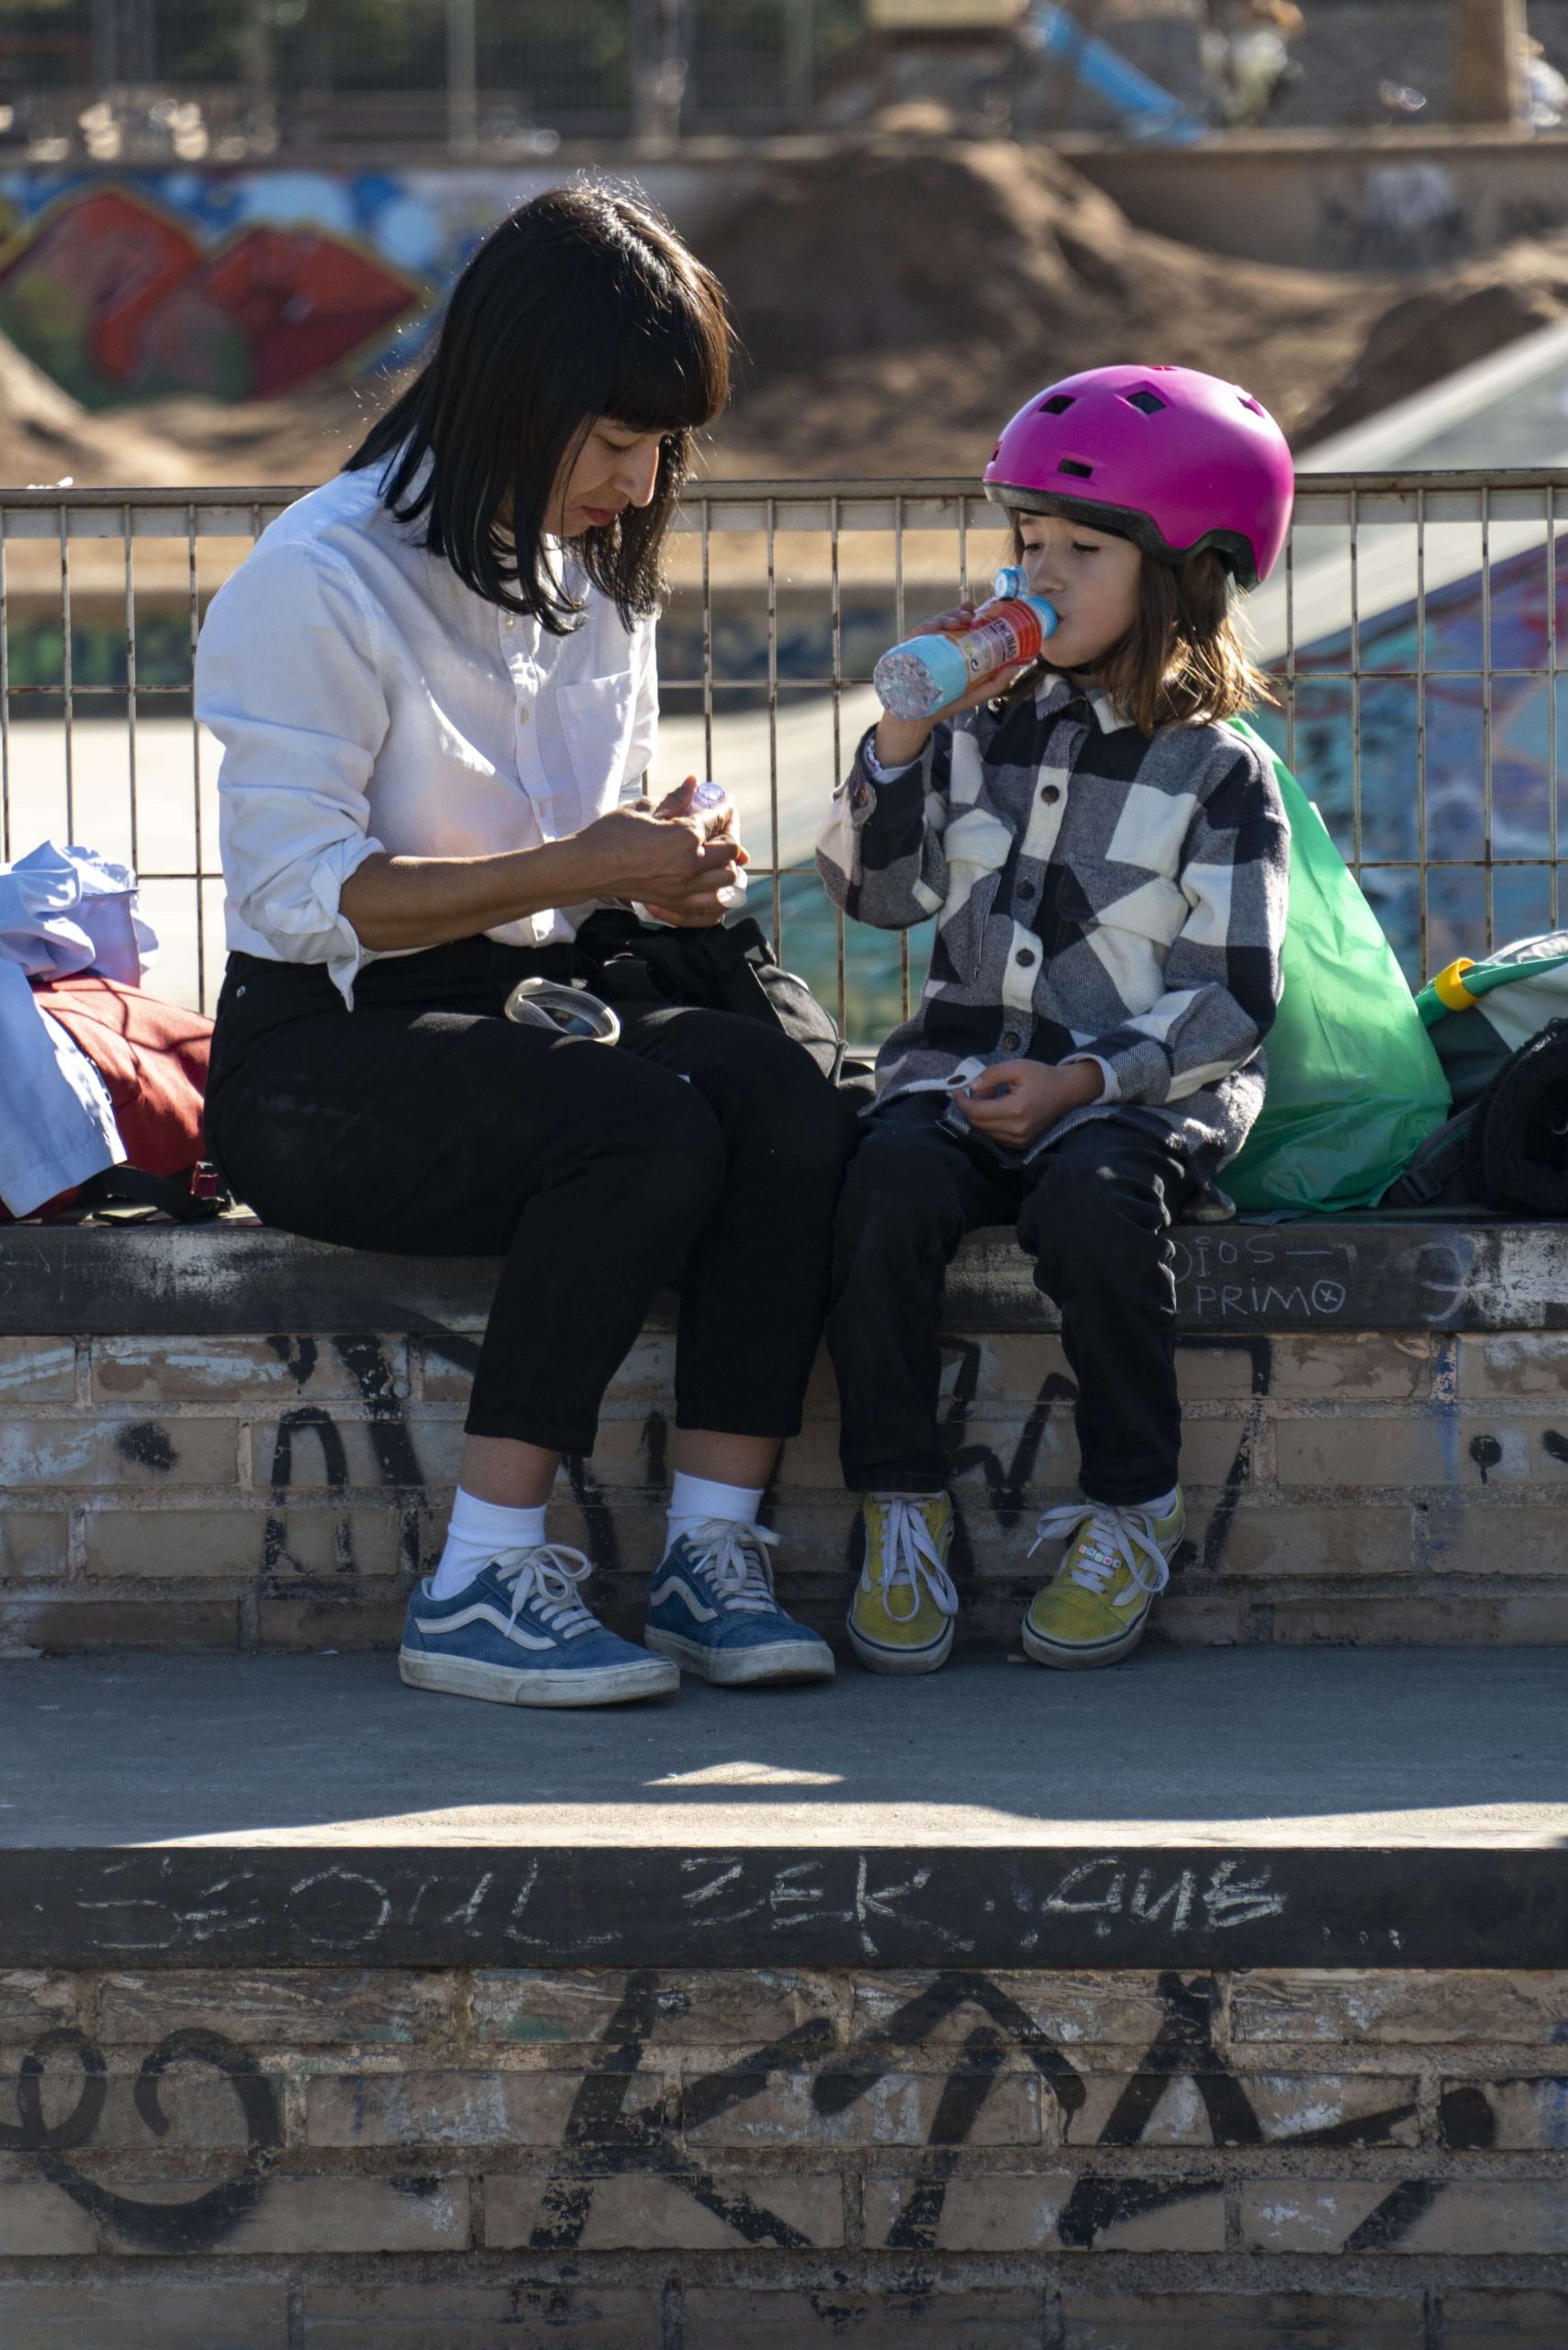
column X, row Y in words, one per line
column 238, row 286
column 625, row 2118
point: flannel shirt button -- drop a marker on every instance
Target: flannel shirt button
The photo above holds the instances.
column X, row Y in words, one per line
column 1049, row 794
column 1010, row 1041
column 1025, row 890
column 1026, row 956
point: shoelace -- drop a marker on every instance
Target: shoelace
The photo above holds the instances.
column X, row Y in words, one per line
column 1116, row 1538
column 908, row 1555
column 732, row 1557
column 548, row 1576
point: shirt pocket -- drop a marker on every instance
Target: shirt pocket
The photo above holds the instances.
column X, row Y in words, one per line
column 976, row 844
column 596, row 721
column 1131, row 918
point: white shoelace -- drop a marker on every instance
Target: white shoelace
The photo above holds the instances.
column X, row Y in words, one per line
column 732, row 1557
column 909, row 1554
column 548, row 1576
column 1116, row 1538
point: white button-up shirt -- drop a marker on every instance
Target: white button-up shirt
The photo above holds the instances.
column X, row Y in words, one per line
column 366, row 701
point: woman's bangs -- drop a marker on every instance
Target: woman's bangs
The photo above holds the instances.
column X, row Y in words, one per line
column 672, row 376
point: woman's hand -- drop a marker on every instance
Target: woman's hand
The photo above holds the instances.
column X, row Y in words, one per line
column 678, row 803
column 674, row 864
column 1014, row 1103
column 677, row 863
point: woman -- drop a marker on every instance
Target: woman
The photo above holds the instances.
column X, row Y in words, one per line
column 434, row 685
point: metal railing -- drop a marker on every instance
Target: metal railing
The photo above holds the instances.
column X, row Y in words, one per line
column 1411, row 632
column 130, row 81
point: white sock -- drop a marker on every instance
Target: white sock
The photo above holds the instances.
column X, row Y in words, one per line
column 693, row 1499
column 476, row 1532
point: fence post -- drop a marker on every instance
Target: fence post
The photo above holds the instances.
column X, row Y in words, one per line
column 463, row 76
column 800, row 59
column 256, row 64
column 1489, row 61
column 103, row 29
column 659, row 54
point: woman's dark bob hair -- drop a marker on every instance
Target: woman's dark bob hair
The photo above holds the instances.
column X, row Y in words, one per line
column 581, row 305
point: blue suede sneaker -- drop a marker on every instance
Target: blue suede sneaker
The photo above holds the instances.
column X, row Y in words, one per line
column 519, row 1635
column 711, row 1607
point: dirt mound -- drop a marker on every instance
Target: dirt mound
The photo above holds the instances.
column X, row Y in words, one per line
column 895, row 307
column 298, row 439
column 1460, row 315
column 896, row 302
column 48, row 437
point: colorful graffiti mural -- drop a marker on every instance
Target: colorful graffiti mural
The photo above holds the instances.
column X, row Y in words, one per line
column 1486, row 750
column 241, row 285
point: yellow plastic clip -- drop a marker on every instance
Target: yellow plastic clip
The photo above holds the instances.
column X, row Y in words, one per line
column 1450, row 988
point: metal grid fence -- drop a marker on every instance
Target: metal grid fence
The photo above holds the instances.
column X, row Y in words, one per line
column 1411, row 632
column 138, row 79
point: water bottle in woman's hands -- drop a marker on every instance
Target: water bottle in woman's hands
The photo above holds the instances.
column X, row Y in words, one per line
column 700, row 799
column 925, row 673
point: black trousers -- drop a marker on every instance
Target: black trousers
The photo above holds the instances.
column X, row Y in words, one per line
column 704, row 1152
column 1094, row 1213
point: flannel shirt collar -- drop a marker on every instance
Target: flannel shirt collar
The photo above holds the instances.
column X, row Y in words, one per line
column 1055, row 691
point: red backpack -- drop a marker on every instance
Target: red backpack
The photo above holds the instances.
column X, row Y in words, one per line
column 153, row 1058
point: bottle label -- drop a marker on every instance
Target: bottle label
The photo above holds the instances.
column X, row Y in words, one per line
column 1002, row 633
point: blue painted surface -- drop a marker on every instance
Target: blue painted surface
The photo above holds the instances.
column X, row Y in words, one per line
column 1147, row 110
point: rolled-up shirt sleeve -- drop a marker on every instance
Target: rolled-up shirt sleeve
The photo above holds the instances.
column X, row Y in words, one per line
column 289, row 678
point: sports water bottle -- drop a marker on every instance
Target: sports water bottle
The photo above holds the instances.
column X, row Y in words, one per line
column 926, row 673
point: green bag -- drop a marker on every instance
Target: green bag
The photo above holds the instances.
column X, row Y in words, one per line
column 1354, row 1084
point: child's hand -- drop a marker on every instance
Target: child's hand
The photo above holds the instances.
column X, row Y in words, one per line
column 900, row 740
column 1014, row 1103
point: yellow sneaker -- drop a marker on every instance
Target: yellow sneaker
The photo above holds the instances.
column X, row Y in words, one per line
column 1094, row 1607
column 901, row 1618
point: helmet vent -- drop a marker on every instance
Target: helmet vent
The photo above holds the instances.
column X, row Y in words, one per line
column 1256, row 405
column 1150, row 402
column 1071, row 466
column 1057, row 404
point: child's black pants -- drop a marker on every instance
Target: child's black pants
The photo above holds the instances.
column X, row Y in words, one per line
column 1094, row 1213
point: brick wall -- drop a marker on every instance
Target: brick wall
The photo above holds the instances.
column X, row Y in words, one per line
column 275, row 1491
column 690, row 2160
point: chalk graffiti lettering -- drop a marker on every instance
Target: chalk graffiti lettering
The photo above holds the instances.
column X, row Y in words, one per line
column 866, row 1904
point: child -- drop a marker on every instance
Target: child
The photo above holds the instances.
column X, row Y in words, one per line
column 1107, row 864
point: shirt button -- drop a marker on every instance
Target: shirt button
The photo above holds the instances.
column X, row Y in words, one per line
column 512, row 620
column 523, row 715
column 1025, row 890
column 1049, row 794
column 1026, row 956
column 1010, row 1041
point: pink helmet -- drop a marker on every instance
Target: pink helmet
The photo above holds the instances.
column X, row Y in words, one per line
column 1174, row 460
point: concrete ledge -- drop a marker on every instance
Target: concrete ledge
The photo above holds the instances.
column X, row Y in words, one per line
column 875, row 2015
column 311, row 1810
column 1328, row 1272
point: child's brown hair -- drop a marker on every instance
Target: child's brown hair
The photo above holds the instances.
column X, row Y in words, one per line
column 1184, row 661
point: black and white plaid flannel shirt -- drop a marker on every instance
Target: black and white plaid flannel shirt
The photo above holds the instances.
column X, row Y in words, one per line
column 1101, row 894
